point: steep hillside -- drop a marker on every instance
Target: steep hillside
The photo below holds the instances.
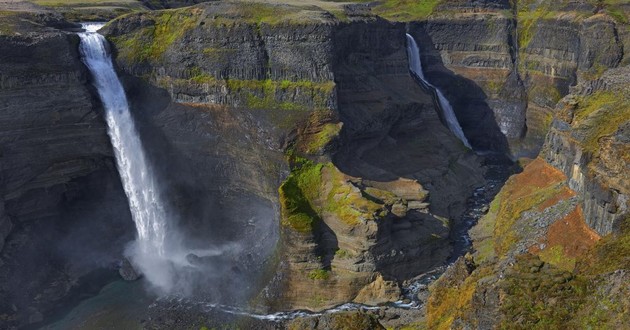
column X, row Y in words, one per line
column 60, row 187
column 506, row 64
column 333, row 97
column 552, row 252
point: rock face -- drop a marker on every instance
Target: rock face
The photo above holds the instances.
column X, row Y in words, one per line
column 505, row 66
column 558, row 231
column 589, row 143
column 127, row 271
column 63, row 211
column 335, row 96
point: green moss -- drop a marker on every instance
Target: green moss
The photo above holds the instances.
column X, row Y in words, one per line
column 380, row 196
column 617, row 14
column 405, row 10
column 601, row 114
column 322, row 138
column 451, row 298
column 346, row 201
column 539, row 297
column 7, row 22
column 343, row 254
column 297, row 194
column 555, row 255
column 319, row 274
column 510, row 212
column 610, row 253
column 149, row 43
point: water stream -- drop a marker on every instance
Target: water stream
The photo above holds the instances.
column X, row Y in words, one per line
column 415, row 66
column 151, row 217
column 139, row 182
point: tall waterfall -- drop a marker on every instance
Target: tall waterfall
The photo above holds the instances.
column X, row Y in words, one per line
column 140, row 185
column 413, row 53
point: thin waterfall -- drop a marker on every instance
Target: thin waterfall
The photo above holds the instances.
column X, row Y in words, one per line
column 415, row 66
column 140, row 185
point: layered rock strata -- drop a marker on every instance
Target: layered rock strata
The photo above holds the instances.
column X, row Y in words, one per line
column 313, row 87
column 60, row 188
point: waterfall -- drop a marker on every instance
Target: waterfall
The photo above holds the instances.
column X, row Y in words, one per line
column 140, row 185
column 415, row 66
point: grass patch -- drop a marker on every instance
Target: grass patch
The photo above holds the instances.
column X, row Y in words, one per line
column 319, row 274
column 539, row 297
column 451, row 298
column 612, row 252
column 406, row 10
column 297, row 194
column 322, row 138
column 149, row 43
column 555, row 255
column 537, row 183
column 600, row 115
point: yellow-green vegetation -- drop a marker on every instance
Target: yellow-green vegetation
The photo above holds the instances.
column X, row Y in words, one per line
column 538, row 296
column 297, row 193
column 88, row 3
column 315, row 190
column 559, row 287
column 405, row 10
column 150, row 42
column 92, row 10
column 548, row 93
column 339, row 321
column 506, row 210
column 287, row 102
column 556, row 256
column 612, row 252
column 322, row 138
column 319, row 274
column 601, row 114
column 263, row 94
column 379, row 195
column 7, row 22
column 420, row 325
column 529, row 17
column 257, row 13
column 343, row 254
column 451, row 297
column 346, row 201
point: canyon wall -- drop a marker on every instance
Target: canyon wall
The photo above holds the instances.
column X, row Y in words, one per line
column 334, row 95
column 506, row 64
column 60, row 188
column 556, row 232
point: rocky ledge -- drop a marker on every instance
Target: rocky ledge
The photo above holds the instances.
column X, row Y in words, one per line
column 553, row 248
column 325, row 97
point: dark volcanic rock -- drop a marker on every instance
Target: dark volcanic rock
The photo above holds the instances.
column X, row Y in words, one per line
column 60, row 188
column 127, row 271
column 244, row 99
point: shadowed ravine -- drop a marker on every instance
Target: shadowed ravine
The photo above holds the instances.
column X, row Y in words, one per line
column 152, row 221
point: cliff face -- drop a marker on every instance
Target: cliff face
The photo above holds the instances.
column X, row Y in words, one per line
column 60, row 187
column 505, row 66
column 333, row 95
column 588, row 142
column 557, row 232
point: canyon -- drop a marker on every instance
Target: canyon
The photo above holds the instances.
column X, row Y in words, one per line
column 295, row 142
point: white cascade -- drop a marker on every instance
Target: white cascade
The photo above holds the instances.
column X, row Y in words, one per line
column 140, row 185
column 413, row 53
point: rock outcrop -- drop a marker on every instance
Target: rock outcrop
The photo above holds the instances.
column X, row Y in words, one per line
column 555, row 240
column 588, row 141
column 335, row 95
column 63, row 211
column 504, row 65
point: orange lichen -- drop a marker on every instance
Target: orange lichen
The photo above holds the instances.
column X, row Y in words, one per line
column 567, row 239
column 536, row 185
column 564, row 194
